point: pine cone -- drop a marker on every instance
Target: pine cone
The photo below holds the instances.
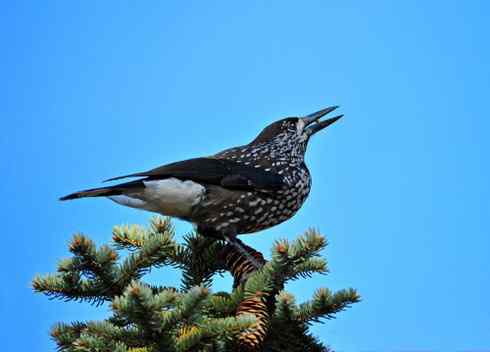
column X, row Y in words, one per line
column 237, row 264
column 253, row 339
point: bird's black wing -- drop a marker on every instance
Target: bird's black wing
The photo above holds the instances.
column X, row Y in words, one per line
column 250, row 178
column 222, row 172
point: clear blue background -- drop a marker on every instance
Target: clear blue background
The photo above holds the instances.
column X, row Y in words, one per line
column 93, row 89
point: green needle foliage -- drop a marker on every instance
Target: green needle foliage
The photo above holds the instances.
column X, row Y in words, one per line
column 256, row 315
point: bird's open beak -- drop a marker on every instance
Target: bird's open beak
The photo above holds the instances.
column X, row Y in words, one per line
column 312, row 120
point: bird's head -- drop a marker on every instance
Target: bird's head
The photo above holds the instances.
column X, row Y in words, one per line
column 291, row 135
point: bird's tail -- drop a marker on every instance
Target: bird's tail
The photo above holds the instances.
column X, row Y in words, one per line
column 104, row 191
column 94, row 192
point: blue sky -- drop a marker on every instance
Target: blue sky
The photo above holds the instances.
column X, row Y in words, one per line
column 400, row 186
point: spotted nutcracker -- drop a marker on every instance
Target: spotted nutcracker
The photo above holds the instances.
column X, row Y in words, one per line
column 239, row 190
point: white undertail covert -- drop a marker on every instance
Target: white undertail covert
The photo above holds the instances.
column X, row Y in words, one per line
column 170, row 196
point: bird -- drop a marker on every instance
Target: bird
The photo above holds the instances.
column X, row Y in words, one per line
column 237, row 191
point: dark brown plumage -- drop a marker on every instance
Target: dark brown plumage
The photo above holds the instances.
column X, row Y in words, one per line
column 239, row 190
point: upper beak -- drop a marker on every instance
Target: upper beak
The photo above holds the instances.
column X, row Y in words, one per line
column 319, row 125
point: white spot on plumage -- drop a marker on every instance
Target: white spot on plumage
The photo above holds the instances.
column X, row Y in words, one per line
column 300, row 125
column 222, row 225
column 254, row 203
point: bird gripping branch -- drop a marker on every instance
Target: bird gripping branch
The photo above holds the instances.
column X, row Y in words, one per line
column 240, row 190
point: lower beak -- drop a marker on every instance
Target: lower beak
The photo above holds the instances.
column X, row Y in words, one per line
column 321, row 125
column 316, row 125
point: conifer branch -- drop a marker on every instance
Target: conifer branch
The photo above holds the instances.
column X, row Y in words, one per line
column 324, row 304
column 256, row 315
column 285, row 306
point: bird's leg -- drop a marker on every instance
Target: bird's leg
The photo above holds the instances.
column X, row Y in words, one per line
column 235, row 242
